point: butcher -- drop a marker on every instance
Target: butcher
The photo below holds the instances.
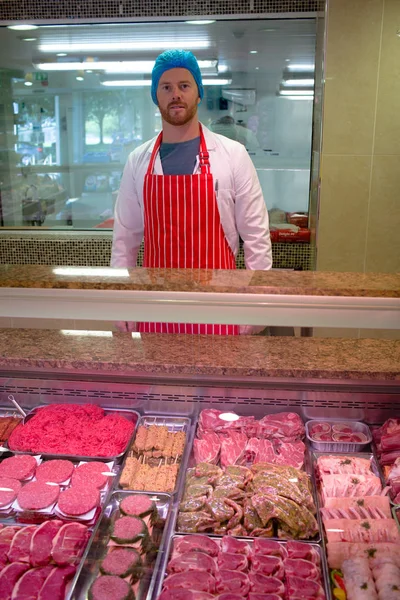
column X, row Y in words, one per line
column 189, row 193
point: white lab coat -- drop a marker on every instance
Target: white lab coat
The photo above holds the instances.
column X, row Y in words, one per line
column 240, row 201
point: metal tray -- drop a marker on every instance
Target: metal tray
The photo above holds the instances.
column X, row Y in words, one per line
column 308, row 469
column 173, row 423
column 334, row 447
column 383, row 478
column 169, row 548
column 90, row 565
column 131, row 415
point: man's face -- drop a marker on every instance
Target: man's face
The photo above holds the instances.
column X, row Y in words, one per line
column 178, row 96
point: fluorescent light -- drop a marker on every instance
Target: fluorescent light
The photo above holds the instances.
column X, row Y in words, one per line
column 112, row 66
column 298, row 97
column 200, row 22
column 62, row 54
column 253, row 51
column 28, row 83
column 301, row 67
column 24, row 27
column 188, row 44
column 126, row 82
column 223, row 68
column 87, row 332
column 296, row 93
column 79, row 78
column 299, row 82
column 32, row 39
column 147, row 82
column 91, row 271
column 228, row 417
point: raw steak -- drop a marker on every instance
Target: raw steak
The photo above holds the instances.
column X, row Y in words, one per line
column 37, row 495
column 20, row 466
column 301, row 568
column 290, row 453
column 302, row 550
column 232, row 581
column 207, row 448
column 20, row 545
column 287, row 426
column 272, row 566
column 181, row 594
column 198, row 543
column 209, row 420
column 192, row 561
column 6, row 536
column 260, row 450
column 269, row 548
column 69, row 543
column 9, row 489
column 9, row 577
column 230, row 596
column 234, row 546
column 56, row 471
column 42, row 542
column 304, row 588
column 233, row 446
column 195, row 580
column 56, row 583
column 28, row 586
column 266, row 585
column 233, row 562
column 253, row 596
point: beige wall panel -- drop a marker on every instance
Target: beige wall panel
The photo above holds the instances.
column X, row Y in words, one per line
column 383, row 234
column 343, row 213
column 387, row 136
column 352, row 58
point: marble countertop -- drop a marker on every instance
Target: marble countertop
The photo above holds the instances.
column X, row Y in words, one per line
column 311, row 283
column 168, row 356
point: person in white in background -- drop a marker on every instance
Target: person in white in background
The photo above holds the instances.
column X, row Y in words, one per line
column 189, row 193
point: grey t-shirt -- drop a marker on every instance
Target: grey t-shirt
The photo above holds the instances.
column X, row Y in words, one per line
column 180, row 158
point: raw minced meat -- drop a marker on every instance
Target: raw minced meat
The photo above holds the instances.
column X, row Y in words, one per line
column 73, row 429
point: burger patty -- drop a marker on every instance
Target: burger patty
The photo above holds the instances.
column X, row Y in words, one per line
column 37, row 495
column 9, row 489
column 91, row 474
column 20, row 466
column 78, row 500
column 56, row 471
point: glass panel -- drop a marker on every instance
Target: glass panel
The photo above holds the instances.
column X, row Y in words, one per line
column 76, row 101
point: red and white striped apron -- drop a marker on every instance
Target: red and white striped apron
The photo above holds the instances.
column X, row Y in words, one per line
column 182, row 229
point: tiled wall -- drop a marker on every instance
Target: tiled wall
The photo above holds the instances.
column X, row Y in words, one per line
column 359, row 212
column 86, row 249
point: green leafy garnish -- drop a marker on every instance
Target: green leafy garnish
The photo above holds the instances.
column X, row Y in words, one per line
column 366, row 525
column 364, row 586
column 371, row 552
column 355, row 480
column 346, row 461
column 360, row 502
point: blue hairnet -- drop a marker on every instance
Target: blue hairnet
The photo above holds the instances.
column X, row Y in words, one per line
column 173, row 59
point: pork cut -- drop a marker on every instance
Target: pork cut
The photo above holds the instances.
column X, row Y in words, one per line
column 287, row 426
column 253, row 596
column 9, row 576
column 233, row 545
column 195, row 580
column 272, row 566
column 233, row 446
column 29, row 584
column 56, row 582
column 304, row 588
column 232, row 581
column 230, row 596
column 182, row 594
column 42, row 542
column 20, row 545
column 301, row 568
column 269, row 548
column 361, row 530
column 233, row 562
column 207, row 448
column 69, row 543
column 302, row 550
column 198, row 543
column 192, row 561
column 261, row 584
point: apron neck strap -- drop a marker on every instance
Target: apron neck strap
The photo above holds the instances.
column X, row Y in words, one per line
column 203, row 153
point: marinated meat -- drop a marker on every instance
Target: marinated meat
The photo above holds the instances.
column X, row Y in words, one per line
column 9, row 489
column 69, row 543
column 304, row 588
column 196, row 543
column 232, row 581
column 301, row 568
column 75, row 429
column 42, row 542
column 20, row 466
column 233, row 447
column 195, row 580
column 233, row 562
column 207, row 449
column 109, row 586
column 272, row 566
column 20, row 545
column 55, row 471
column 77, row 501
column 9, row 576
column 37, row 495
column 235, row 546
column 55, row 584
column 29, row 584
column 91, row 474
column 378, row 530
column 261, row 584
column 192, row 561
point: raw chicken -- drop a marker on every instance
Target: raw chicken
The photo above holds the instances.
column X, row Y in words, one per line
column 358, row 580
